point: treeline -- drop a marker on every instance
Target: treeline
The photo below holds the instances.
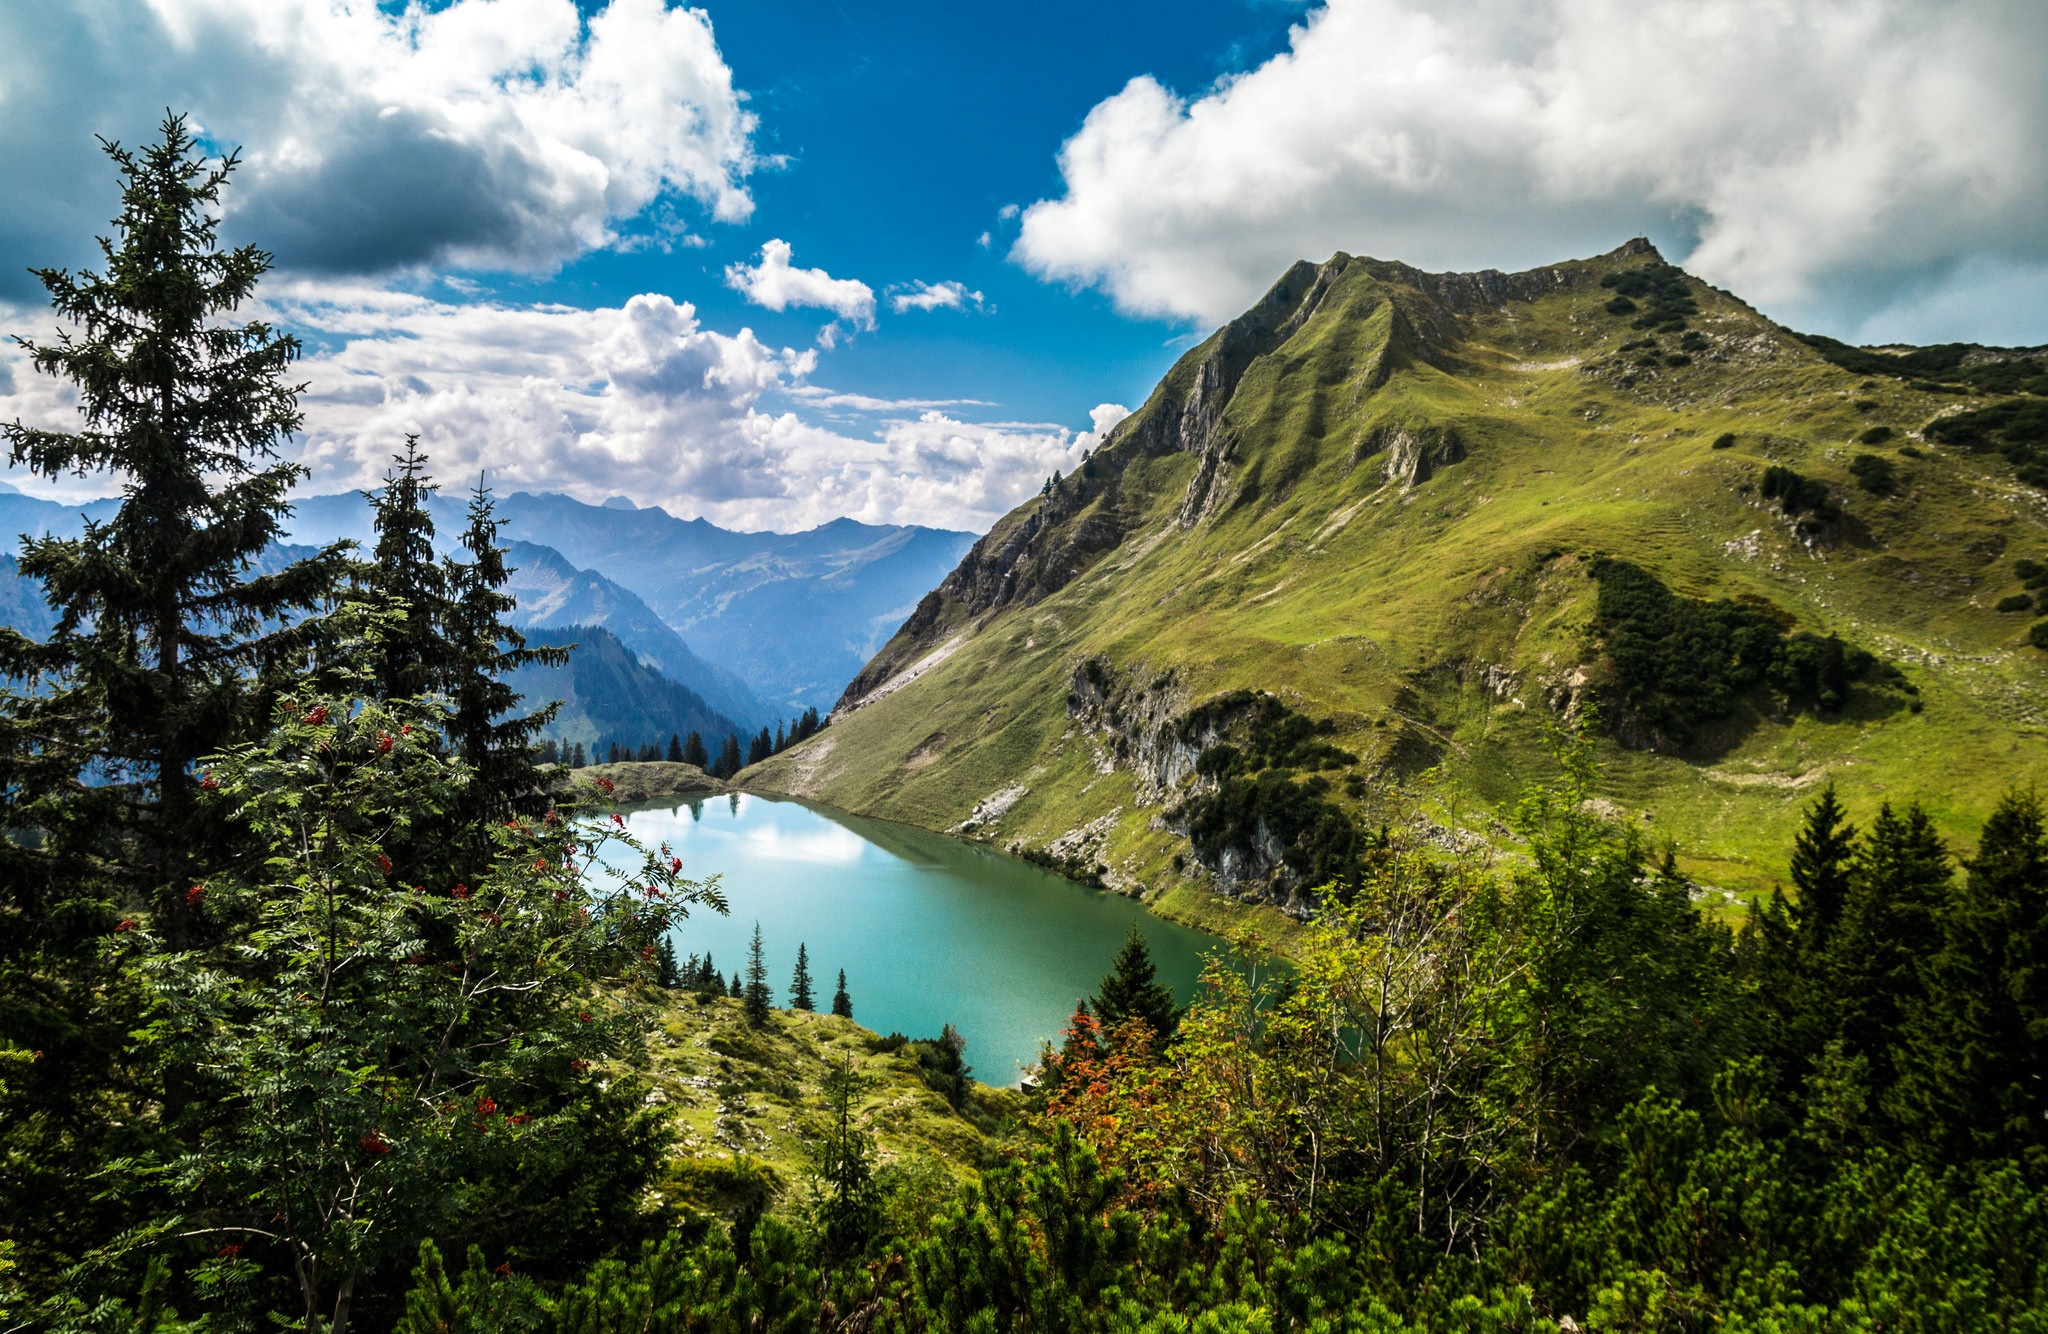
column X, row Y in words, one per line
column 701, row 976
column 690, row 750
column 1542, row 1094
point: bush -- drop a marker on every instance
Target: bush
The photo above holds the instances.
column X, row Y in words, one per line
column 1677, row 359
column 2017, row 429
column 1876, row 435
column 1663, row 289
column 1874, row 474
column 2017, row 602
column 1694, row 341
column 1620, row 305
column 2032, row 573
column 1725, row 440
column 1798, row 494
column 2038, row 635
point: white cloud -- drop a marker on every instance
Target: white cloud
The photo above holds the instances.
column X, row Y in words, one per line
column 1104, row 417
column 481, row 133
column 777, row 285
column 947, row 295
column 638, row 399
column 1816, row 156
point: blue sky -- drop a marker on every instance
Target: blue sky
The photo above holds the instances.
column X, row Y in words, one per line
column 780, row 261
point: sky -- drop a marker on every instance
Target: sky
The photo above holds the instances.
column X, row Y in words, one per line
column 774, row 262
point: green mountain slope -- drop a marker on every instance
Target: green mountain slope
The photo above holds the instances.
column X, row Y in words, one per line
column 1431, row 514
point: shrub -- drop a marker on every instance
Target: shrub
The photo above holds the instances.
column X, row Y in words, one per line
column 2017, row 602
column 1911, row 452
column 1677, row 359
column 1663, row 289
column 1874, row 473
column 1694, row 341
column 1725, row 440
column 1865, row 404
column 1620, row 305
column 1876, row 435
column 2038, row 635
column 2032, row 573
column 1797, row 494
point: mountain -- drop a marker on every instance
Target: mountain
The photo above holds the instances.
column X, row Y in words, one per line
column 553, row 593
column 608, row 694
column 1367, row 545
column 794, row 615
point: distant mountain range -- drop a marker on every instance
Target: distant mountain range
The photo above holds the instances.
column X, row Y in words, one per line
column 753, row 627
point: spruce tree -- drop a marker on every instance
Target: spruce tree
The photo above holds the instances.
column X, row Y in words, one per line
column 165, row 645
column 760, row 748
column 1889, row 917
column 737, row 991
column 666, row 972
column 842, row 1004
column 1132, row 990
column 404, row 576
column 693, row 751
column 496, row 742
column 1821, row 857
column 675, row 749
column 728, row 762
column 757, row 995
column 577, row 759
column 800, row 984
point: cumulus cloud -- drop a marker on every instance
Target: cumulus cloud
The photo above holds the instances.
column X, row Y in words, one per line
column 639, row 399
column 778, row 285
column 1825, row 159
column 947, row 295
column 483, row 133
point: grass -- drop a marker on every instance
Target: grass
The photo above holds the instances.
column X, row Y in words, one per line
column 1384, row 608
column 745, row 1102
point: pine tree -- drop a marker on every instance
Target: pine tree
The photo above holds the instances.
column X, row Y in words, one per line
column 842, row 1004
column 1821, row 857
column 666, row 972
column 760, row 748
column 1132, row 990
column 781, row 741
column 1889, row 917
column 577, row 759
column 675, row 749
column 843, row 1159
column 163, row 650
column 737, row 990
column 694, row 753
column 1971, row 1078
column 413, row 658
column 800, row 984
column 496, row 742
column 728, row 762
column 757, row 995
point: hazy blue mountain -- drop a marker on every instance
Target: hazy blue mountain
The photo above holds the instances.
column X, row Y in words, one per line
column 21, row 602
column 608, row 694
column 794, row 615
column 552, row 592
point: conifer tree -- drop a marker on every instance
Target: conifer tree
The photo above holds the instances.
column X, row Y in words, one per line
column 577, row 759
column 1889, row 916
column 800, row 984
column 757, row 995
column 737, row 991
column 760, row 748
column 728, row 762
column 1821, row 857
column 694, row 753
column 675, row 749
column 497, row 743
column 164, row 643
column 666, row 972
column 842, row 1004
column 413, row 656
column 1132, row 990
column 843, row 1159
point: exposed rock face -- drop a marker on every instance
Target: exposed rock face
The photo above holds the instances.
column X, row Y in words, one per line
column 1139, row 723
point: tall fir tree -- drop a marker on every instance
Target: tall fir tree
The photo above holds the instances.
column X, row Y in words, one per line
column 728, row 762
column 842, row 1004
column 694, row 752
column 800, row 997
column 1889, row 918
column 757, row 995
column 667, row 973
column 675, row 749
column 404, row 576
column 1973, row 1075
column 497, row 743
column 165, row 644
column 1132, row 990
column 1822, row 855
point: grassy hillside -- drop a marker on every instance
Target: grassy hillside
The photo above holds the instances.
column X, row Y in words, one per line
column 745, row 1101
column 1381, row 496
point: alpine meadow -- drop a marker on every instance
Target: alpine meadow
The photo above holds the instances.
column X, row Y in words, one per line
column 569, row 767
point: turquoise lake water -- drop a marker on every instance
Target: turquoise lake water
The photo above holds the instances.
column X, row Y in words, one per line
column 930, row 930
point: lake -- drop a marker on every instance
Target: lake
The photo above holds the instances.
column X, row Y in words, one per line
column 930, row 930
